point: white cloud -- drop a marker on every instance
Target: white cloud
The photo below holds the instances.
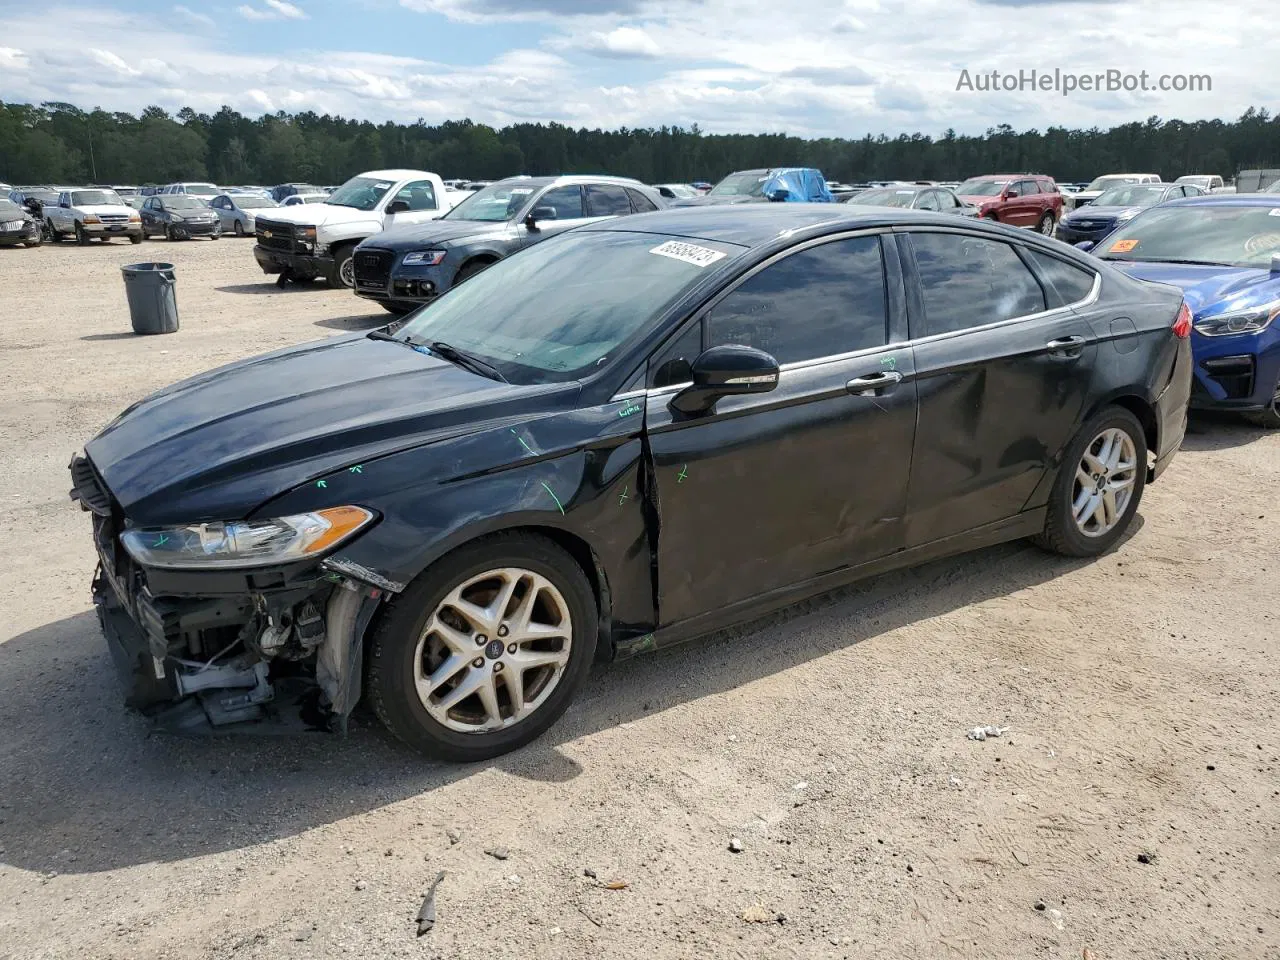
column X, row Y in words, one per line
column 275, row 10
column 199, row 19
column 623, row 42
column 11, row 58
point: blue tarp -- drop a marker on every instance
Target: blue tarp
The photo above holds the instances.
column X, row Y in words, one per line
column 803, row 185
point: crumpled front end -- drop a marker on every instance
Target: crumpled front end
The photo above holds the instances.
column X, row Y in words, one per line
column 208, row 650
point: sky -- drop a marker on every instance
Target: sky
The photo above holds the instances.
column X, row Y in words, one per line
column 811, row 68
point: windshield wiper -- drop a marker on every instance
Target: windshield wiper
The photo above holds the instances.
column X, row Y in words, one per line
column 382, row 335
column 1190, row 263
column 467, row 361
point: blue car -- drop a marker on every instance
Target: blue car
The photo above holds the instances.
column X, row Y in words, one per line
column 1116, row 206
column 1224, row 252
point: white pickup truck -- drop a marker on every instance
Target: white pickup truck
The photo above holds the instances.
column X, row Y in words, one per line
column 91, row 213
column 314, row 240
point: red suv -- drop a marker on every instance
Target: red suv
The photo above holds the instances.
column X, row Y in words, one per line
column 1018, row 199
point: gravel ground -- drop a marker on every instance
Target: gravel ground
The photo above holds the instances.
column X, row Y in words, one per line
column 1129, row 810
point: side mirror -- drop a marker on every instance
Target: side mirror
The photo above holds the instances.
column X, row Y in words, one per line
column 398, row 206
column 779, row 194
column 1084, row 246
column 725, row 371
column 539, row 213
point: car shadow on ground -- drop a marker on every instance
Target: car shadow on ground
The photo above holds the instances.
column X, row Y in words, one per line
column 123, row 335
column 268, row 286
column 85, row 786
column 364, row 321
column 1209, row 430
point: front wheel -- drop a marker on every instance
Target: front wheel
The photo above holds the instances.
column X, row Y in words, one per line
column 82, row 238
column 1270, row 417
column 1099, row 486
column 1045, row 226
column 485, row 649
column 135, row 238
column 169, row 234
column 343, row 273
column 239, row 228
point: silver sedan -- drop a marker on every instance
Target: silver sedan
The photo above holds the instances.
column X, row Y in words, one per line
column 236, row 211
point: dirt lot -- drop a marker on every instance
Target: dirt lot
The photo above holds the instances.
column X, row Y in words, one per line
column 1141, row 694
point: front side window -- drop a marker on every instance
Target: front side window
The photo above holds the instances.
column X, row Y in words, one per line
column 818, row 302
column 420, row 195
column 565, row 201
column 971, row 281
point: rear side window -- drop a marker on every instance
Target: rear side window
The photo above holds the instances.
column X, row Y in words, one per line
column 1069, row 283
column 640, row 203
column 971, row 281
column 819, row 302
column 565, row 201
column 607, row 200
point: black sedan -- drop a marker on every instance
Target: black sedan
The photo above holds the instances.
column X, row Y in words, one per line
column 176, row 216
column 618, row 439
column 405, row 266
column 911, row 196
column 18, row 226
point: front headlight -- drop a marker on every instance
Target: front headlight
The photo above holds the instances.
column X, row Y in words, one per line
column 1252, row 320
column 246, row 543
column 424, row 258
column 134, row 218
column 90, row 218
column 307, row 233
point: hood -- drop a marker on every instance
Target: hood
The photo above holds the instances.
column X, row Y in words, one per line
column 204, row 213
column 1210, row 290
column 417, row 236
column 318, row 214
column 1104, row 213
column 710, row 201
column 98, row 209
column 221, row 444
column 977, row 199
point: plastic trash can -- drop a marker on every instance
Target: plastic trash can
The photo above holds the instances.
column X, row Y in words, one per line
column 153, row 306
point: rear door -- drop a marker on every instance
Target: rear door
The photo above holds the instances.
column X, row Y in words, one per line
column 772, row 490
column 1004, row 369
column 605, row 200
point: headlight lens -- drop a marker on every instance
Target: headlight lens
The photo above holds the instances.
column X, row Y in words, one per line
column 424, row 258
column 90, row 218
column 134, row 218
column 1252, row 320
column 307, row 233
column 246, row 543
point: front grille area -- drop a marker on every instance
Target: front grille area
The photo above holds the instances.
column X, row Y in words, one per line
column 373, row 267
column 275, row 236
column 1233, row 374
column 88, row 489
column 114, row 218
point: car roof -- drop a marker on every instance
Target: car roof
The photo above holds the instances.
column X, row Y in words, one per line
column 1227, row 200
column 755, row 224
column 392, row 174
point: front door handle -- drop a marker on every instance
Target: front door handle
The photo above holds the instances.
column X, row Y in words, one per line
column 874, row 384
column 1066, row 343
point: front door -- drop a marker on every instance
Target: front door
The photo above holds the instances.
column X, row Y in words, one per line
column 1002, row 381
column 772, row 490
column 424, row 205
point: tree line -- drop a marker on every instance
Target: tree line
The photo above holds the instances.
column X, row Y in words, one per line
column 62, row 143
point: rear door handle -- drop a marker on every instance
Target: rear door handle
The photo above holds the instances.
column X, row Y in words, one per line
column 874, row 384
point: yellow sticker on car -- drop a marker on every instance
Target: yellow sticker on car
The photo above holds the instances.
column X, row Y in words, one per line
column 1122, row 246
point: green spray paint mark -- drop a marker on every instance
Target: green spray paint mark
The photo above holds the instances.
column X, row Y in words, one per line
column 554, row 497
column 322, row 484
column 525, row 445
column 358, row 468
column 684, row 472
column 889, row 363
column 624, row 498
column 630, row 409
column 161, row 541
column 644, row 644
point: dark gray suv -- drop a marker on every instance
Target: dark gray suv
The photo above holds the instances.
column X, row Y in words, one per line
column 411, row 265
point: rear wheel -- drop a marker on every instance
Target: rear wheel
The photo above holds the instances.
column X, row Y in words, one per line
column 1045, row 225
column 1099, row 486
column 485, row 649
column 1270, row 417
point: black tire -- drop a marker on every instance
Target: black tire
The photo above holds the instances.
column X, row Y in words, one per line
column 389, row 682
column 239, row 228
column 34, row 241
column 342, row 276
column 136, row 237
column 1045, row 226
column 470, row 269
column 216, row 235
column 168, row 233
column 82, row 238
column 1269, row 418
column 1061, row 534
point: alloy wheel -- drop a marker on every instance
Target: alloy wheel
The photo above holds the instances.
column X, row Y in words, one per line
column 1105, row 478
column 347, row 272
column 493, row 650
column 1046, row 224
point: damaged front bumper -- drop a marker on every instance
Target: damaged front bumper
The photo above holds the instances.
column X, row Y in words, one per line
column 198, row 651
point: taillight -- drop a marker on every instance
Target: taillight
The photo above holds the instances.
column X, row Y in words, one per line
column 1182, row 324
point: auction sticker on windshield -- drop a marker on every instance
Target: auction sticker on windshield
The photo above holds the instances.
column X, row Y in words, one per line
column 1123, row 246
column 688, row 252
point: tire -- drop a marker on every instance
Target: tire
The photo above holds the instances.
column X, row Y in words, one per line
column 1045, row 226
column 136, row 238
column 992, row 217
column 216, row 235
column 1062, row 534
column 82, row 238
column 400, row 642
column 469, row 270
column 50, row 234
column 239, row 229
column 343, row 274
column 34, row 241
column 1269, row 418
column 168, row 233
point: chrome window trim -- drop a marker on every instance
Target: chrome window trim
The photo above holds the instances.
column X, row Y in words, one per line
column 1090, row 299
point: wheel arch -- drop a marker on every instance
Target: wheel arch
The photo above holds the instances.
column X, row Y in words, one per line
column 1140, row 407
column 486, row 257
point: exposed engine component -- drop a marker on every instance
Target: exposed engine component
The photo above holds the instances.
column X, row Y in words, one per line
column 213, row 686
column 292, row 634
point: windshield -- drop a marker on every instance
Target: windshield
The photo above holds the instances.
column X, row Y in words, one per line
column 1102, row 183
column 10, row 210
column 201, row 189
column 90, row 198
column 1230, row 236
column 493, row 204
column 553, row 312
column 1195, row 180
column 1133, row 195
column 982, row 188
column 741, row 185
column 253, row 203
column 885, row 198
column 681, row 191
column 179, row 202
column 362, row 193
